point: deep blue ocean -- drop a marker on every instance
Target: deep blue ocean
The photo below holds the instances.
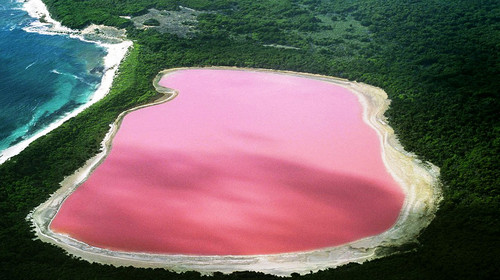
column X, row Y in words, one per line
column 42, row 77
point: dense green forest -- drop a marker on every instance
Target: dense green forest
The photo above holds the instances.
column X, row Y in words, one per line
column 437, row 60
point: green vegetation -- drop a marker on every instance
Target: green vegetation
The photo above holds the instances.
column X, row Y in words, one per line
column 437, row 60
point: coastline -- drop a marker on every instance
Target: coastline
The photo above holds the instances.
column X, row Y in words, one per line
column 116, row 52
column 418, row 180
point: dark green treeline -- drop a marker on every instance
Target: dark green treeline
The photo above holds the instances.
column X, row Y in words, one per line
column 437, row 60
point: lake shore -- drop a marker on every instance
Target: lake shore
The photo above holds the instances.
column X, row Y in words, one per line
column 418, row 180
column 113, row 40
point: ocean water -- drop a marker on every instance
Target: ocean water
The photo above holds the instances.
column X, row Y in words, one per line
column 42, row 77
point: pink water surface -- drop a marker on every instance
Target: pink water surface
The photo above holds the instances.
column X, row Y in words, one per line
column 238, row 163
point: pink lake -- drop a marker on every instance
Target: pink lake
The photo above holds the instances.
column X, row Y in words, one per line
column 239, row 163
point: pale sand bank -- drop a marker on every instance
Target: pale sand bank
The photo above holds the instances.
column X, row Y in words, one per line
column 418, row 180
column 112, row 39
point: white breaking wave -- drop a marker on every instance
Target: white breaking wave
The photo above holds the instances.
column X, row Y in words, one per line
column 37, row 9
column 71, row 75
column 115, row 54
column 29, row 65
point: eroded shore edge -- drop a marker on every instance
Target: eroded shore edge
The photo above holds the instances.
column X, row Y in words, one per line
column 419, row 181
column 116, row 52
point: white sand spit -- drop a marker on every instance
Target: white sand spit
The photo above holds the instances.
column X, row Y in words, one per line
column 116, row 51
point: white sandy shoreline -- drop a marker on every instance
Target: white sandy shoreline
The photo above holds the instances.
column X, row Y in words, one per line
column 418, row 180
column 115, row 54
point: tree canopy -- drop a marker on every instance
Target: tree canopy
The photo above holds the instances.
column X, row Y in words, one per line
column 437, row 60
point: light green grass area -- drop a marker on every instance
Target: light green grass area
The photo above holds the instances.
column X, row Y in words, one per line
column 338, row 35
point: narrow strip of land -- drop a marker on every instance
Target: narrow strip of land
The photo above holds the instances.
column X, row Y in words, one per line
column 112, row 39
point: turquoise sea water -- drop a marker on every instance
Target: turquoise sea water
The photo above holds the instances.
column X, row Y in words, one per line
column 42, row 77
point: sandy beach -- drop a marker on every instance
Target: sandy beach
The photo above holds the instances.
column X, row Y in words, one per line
column 418, row 180
column 116, row 47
